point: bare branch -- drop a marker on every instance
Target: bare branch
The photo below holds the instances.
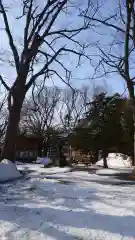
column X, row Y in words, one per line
column 104, row 22
column 28, row 20
column 11, row 42
column 40, row 117
column 43, row 70
column 39, row 18
column 4, row 83
column 61, row 5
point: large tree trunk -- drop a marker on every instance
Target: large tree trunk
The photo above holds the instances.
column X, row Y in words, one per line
column 133, row 136
column 133, row 158
column 132, row 103
column 8, row 151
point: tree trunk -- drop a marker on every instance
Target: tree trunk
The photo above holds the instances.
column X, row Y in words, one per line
column 46, row 146
column 133, row 136
column 132, row 104
column 40, row 151
column 105, row 162
column 8, row 151
column 133, row 158
column 105, row 154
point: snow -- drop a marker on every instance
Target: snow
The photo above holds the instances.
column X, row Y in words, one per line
column 109, row 171
column 39, row 168
column 73, row 206
column 44, row 161
column 117, row 161
column 8, row 171
column 106, row 171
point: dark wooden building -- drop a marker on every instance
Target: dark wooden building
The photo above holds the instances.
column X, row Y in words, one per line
column 28, row 148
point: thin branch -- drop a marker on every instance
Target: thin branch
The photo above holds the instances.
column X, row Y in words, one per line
column 11, row 42
column 39, row 18
column 64, row 31
column 67, row 83
column 108, row 24
column 4, row 83
column 54, row 18
column 43, row 70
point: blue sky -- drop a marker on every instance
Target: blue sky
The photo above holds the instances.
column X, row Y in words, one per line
column 81, row 75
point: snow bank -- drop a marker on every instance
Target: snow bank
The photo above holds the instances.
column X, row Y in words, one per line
column 116, row 160
column 8, row 171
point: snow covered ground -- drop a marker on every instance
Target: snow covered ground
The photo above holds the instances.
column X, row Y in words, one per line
column 111, row 171
column 73, row 205
column 39, row 169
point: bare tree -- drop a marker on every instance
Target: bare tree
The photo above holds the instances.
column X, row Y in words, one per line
column 44, row 43
column 116, row 52
column 38, row 114
column 72, row 107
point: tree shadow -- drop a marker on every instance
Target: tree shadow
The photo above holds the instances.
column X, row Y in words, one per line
column 56, row 223
column 53, row 209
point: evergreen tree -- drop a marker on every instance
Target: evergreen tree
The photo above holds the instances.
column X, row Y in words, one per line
column 109, row 127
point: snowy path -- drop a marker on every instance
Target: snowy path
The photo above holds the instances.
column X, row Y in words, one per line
column 73, row 206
